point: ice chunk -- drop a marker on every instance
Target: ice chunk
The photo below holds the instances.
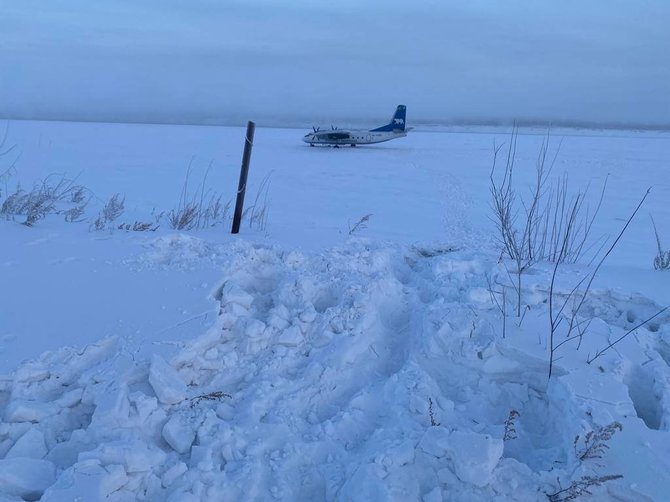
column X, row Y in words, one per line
column 291, row 337
column 71, row 398
column 232, row 293
column 308, row 315
column 26, row 477
column 144, row 405
column 87, row 480
column 474, row 456
column 252, row 328
column 435, row 495
column 112, row 408
column 225, row 411
column 179, row 432
column 30, row 445
column 166, row 382
column 66, row 453
column 435, row 441
column 173, row 473
column 180, row 496
column 134, row 455
column 28, row 411
column 113, row 480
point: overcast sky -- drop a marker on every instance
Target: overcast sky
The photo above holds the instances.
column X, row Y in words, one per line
column 300, row 62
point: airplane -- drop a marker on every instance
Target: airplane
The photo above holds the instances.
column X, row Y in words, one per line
column 336, row 137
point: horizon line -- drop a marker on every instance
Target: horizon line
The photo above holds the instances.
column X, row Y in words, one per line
column 303, row 124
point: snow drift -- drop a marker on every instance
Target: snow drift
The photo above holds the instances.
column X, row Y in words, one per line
column 361, row 372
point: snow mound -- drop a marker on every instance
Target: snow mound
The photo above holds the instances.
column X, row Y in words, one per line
column 177, row 251
column 364, row 372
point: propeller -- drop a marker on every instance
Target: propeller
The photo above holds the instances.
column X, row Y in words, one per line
column 316, row 129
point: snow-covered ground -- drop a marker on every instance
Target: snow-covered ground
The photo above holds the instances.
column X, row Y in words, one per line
column 309, row 358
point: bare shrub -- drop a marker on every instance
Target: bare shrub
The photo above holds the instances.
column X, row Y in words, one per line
column 510, row 426
column 184, row 217
column 591, row 446
column 559, row 314
column 499, row 298
column 138, row 226
column 257, row 213
column 79, row 195
column 431, row 414
column 215, row 211
column 594, row 443
column 46, row 197
column 432, row 252
column 361, row 224
column 201, row 209
column 211, row 396
column 662, row 259
column 74, row 215
column 535, row 229
column 632, row 330
column 581, row 487
column 112, row 209
column 9, row 160
column 550, row 225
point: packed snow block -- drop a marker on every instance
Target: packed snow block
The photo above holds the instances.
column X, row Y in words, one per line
column 401, row 454
column 308, row 316
column 225, row 411
column 26, row 477
column 112, row 408
column 587, row 393
column 373, row 482
column 474, row 456
column 144, row 405
column 71, row 398
column 231, row 293
column 173, row 473
column 133, row 455
column 435, row 495
column 366, row 483
column 114, row 479
column 279, row 317
column 179, row 432
column 87, row 480
column 166, row 382
column 30, row 445
column 291, row 337
column 20, row 410
column 250, row 328
column 201, row 457
column 578, row 392
column 435, row 441
column 65, row 454
column 183, row 496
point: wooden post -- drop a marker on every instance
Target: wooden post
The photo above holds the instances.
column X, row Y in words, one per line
column 244, row 173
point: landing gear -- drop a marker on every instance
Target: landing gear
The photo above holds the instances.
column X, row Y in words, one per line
column 353, row 145
column 311, row 144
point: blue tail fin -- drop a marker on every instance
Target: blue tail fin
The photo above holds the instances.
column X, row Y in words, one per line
column 397, row 122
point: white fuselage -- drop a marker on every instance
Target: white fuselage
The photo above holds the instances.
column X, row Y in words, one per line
column 342, row 137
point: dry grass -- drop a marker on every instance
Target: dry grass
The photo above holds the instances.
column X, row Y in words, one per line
column 112, row 209
column 54, row 195
column 662, row 259
column 202, row 208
